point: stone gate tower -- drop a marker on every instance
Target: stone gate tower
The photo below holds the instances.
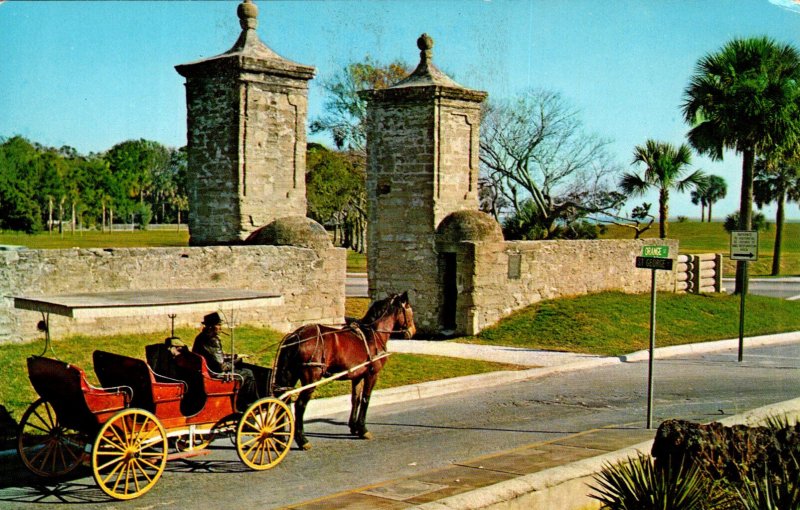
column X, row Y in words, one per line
column 422, row 165
column 246, row 137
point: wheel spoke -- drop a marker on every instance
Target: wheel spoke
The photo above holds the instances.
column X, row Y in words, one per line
column 107, row 442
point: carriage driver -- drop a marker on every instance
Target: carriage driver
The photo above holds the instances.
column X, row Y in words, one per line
column 209, row 345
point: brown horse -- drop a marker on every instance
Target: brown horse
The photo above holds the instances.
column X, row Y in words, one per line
column 312, row 352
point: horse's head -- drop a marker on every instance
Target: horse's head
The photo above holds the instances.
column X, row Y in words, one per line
column 403, row 316
column 392, row 315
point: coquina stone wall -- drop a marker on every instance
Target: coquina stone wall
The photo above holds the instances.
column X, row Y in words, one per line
column 311, row 282
column 497, row 278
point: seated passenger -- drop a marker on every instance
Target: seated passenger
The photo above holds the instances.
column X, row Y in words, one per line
column 209, row 345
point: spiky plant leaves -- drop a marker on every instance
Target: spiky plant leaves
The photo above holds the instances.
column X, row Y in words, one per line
column 637, row 484
column 773, row 491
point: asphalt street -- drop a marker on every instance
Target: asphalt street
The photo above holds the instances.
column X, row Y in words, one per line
column 420, row 435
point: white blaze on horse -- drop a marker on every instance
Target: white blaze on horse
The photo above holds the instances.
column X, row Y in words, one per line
column 315, row 351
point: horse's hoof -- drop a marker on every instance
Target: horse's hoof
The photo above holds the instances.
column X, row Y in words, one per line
column 305, row 446
column 365, row 435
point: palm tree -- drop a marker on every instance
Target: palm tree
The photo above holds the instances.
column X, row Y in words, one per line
column 699, row 198
column 665, row 164
column 744, row 97
column 716, row 189
column 777, row 181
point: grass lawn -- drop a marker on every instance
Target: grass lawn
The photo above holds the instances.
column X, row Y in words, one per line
column 97, row 239
column 356, row 262
column 614, row 323
column 696, row 237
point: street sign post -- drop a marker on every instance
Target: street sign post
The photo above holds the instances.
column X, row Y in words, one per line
column 744, row 247
column 653, row 258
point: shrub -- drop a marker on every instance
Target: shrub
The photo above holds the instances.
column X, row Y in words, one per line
column 732, row 222
column 637, row 484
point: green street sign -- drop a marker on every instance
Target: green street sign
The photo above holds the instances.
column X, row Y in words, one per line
column 655, row 251
column 654, row 263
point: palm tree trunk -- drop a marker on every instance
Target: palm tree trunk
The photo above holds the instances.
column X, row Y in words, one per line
column 663, row 212
column 779, row 220
column 702, row 212
column 709, row 212
column 745, row 214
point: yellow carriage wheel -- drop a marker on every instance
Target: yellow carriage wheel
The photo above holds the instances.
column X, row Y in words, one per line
column 264, row 434
column 129, row 454
column 48, row 448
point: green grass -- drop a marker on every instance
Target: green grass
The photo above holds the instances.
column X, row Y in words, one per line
column 97, row 239
column 356, row 262
column 696, row 237
column 16, row 393
column 614, row 323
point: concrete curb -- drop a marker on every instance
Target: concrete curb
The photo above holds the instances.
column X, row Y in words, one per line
column 720, row 345
column 530, row 490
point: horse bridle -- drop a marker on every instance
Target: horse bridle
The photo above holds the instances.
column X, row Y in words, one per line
column 404, row 329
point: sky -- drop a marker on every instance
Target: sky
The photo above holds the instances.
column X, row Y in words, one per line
column 90, row 74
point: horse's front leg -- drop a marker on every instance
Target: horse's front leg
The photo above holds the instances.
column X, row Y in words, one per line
column 355, row 404
column 361, row 420
column 299, row 410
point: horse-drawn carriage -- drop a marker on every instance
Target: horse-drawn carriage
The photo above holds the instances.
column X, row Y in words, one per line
column 138, row 418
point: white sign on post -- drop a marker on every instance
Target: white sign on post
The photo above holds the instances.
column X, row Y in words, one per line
column 744, row 245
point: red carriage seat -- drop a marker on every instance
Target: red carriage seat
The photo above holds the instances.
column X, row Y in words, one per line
column 161, row 398
column 78, row 404
column 209, row 391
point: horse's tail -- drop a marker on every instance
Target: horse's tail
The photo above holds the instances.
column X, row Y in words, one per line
column 284, row 369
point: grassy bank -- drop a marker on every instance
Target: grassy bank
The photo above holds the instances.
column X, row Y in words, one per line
column 696, row 237
column 614, row 323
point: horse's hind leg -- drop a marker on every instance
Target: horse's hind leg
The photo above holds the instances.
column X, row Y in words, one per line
column 355, row 401
column 299, row 410
column 361, row 420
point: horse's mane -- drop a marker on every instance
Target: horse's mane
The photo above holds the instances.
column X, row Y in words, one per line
column 377, row 310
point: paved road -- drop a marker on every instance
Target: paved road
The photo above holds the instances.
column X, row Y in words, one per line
column 356, row 285
column 417, row 436
column 784, row 288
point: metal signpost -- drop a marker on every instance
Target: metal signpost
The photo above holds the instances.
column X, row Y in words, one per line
column 744, row 247
column 653, row 258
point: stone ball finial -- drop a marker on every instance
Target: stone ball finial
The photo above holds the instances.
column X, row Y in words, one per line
column 248, row 15
column 425, row 44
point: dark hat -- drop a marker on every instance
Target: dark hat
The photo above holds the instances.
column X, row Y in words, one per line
column 212, row 319
column 174, row 341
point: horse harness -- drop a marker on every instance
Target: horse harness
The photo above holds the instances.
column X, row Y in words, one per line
column 356, row 328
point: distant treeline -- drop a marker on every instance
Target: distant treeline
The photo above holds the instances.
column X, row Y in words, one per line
column 136, row 181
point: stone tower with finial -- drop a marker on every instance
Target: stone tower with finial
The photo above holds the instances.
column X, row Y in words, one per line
column 422, row 165
column 246, row 133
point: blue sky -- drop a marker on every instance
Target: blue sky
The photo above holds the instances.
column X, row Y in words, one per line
column 94, row 73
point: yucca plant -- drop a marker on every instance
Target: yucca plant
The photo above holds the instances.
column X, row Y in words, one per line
column 636, row 484
column 773, row 491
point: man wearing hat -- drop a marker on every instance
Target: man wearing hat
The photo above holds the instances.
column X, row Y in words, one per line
column 208, row 345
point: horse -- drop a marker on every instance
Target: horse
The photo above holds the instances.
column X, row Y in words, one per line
column 315, row 351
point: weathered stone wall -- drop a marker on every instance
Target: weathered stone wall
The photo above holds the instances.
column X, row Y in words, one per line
column 212, row 155
column 422, row 166
column 246, row 153
column 310, row 281
column 401, row 226
column 497, row 278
